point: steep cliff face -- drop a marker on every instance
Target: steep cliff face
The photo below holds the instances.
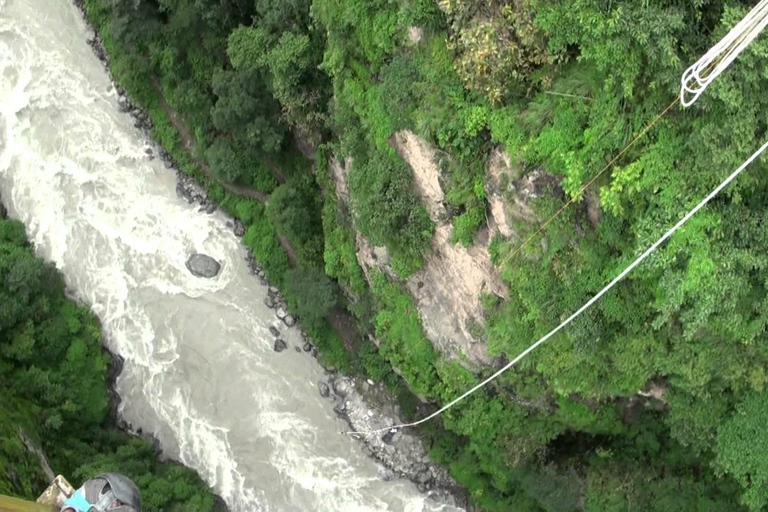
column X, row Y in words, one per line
column 447, row 290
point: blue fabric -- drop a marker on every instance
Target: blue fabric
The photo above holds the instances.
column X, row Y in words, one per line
column 78, row 502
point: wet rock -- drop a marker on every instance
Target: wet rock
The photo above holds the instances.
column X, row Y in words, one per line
column 123, row 104
column 263, row 281
column 389, row 436
column 202, row 265
column 289, row 320
column 386, row 474
column 269, row 302
column 280, row 345
column 273, row 290
column 211, row 208
column 307, row 346
column 275, row 331
column 281, row 313
column 340, row 387
column 325, row 391
column 341, row 409
column 239, row 228
column 169, row 165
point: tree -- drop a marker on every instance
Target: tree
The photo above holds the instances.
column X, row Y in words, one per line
column 742, row 443
column 237, row 164
column 310, row 292
column 246, row 112
column 386, row 209
column 294, row 210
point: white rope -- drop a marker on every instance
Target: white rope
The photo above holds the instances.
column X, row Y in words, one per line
column 589, row 303
column 697, row 77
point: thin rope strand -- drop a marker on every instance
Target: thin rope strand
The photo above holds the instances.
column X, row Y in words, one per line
column 590, row 182
column 589, row 303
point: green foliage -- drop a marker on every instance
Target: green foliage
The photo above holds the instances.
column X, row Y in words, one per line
column 386, row 210
column 245, row 112
column 54, row 391
column 312, row 294
column 235, row 164
column 294, row 209
column 741, row 441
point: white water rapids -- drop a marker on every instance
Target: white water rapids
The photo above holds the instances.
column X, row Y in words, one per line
column 200, row 372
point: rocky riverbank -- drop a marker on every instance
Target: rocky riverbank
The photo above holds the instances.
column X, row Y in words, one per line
column 363, row 404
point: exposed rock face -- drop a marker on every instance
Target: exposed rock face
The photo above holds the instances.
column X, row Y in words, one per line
column 500, row 176
column 415, row 34
column 426, row 175
column 339, row 174
column 447, row 290
column 202, row 265
column 447, row 294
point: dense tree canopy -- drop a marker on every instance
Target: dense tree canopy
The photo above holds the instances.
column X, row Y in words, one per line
column 653, row 399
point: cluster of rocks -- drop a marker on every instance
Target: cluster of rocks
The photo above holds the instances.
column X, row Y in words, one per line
column 401, row 452
column 275, row 300
column 256, row 270
column 187, row 188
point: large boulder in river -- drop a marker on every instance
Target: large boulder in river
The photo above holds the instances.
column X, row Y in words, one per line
column 202, row 265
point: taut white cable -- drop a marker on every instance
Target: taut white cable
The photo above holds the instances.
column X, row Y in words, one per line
column 589, row 303
column 697, row 77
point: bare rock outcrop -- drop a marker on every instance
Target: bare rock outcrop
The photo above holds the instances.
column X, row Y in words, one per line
column 499, row 182
column 447, row 290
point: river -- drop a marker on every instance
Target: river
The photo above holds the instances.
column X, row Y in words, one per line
column 200, row 372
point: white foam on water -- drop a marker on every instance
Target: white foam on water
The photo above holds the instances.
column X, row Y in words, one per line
column 199, row 370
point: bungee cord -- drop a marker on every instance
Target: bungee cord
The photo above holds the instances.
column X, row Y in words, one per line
column 697, row 78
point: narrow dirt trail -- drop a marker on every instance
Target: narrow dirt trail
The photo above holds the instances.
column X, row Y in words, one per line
column 191, row 145
column 341, row 320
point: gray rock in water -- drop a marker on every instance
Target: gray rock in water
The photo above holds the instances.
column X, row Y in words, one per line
column 280, row 345
column 274, row 330
column 325, row 391
column 281, row 313
column 202, row 265
column 123, row 104
column 211, row 208
column 307, row 346
column 273, row 290
column 239, row 228
column 269, row 302
column 289, row 320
